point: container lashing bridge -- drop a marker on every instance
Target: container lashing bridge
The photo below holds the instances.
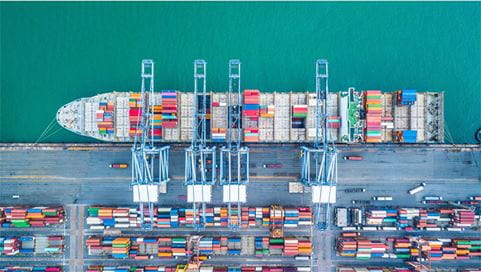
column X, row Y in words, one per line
column 200, row 159
column 234, row 158
column 319, row 162
column 150, row 163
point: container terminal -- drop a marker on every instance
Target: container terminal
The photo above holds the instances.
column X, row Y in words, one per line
column 244, row 181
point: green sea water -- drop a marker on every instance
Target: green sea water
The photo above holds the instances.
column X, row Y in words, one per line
column 54, row 52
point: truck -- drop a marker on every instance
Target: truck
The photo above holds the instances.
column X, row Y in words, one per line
column 352, row 158
column 477, row 198
column 382, row 198
column 417, row 189
column 119, row 165
column 354, row 190
column 272, row 165
column 433, row 198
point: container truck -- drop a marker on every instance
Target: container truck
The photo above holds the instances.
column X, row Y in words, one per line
column 477, row 198
column 119, row 165
column 352, row 158
column 382, row 198
column 433, row 198
column 417, row 189
column 272, row 165
column 355, row 190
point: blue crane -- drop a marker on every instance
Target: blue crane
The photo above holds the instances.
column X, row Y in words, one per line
column 234, row 158
column 200, row 161
column 319, row 161
column 150, row 163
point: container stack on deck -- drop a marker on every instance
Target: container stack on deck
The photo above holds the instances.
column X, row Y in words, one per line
column 266, row 118
column 105, row 117
column 20, row 217
column 186, row 116
column 170, row 121
column 373, row 116
column 219, row 117
column 298, row 118
column 135, row 114
column 165, row 217
column 250, row 112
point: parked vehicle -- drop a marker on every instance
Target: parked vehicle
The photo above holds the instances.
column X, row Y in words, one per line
column 354, row 190
column 272, row 165
column 352, row 158
column 15, row 196
column 417, row 189
column 433, row 198
column 382, row 198
column 433, row 202
column 119, row 165
column 366, row 202
column 477, row 198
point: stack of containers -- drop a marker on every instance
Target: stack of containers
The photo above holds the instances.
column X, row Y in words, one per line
column 94, row 246
column 381, row 216
column 179, row 246
column 170, row 115
column 276, row 246
column 121, row 116
column 402, row 248
column 281, row 118
column 266, row 117
column 31, row 217
column 186, row 115
column 409, row 136
column 9, row 246
column 372, row 269
column 305, row 216
column 305, row 246
column 167, row 217
column 30, row 269
column 364, row 248
column 291, row 247
column 135, row 114
column 105, row 117
column 261, row 246
column 373, row 116
column 291, row 218
column 49, row 245
column 219, row 117
column 28, row 244
column 120, row 247
column 406, row 97
column 250, row 114
column 156, row 119
column 378, row 249
column 298, row 117
column 434, row 248
column 463, row 218
column 406, row 214
column 346, row 246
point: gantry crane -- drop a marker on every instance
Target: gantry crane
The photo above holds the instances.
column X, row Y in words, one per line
column 319, row 162
column 234, row 158
column 200, row 162
column 150, row 164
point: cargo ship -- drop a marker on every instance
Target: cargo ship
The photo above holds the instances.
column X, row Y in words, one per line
column 371, row 116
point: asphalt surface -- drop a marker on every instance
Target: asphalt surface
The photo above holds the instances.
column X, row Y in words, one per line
column 66, row 177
